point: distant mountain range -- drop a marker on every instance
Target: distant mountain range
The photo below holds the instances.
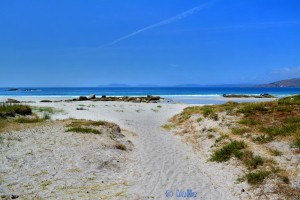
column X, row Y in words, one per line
column 289, row 83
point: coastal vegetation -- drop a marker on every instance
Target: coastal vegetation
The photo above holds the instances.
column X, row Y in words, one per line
column 83, row 130
column 13, row 116
column 245, row 132
column 11, row 110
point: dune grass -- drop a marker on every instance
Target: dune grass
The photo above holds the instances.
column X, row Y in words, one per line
column 263, row 122
column 23, row 120
column 78, row 123
column 254, row 178
column 11, row 110
column 225, row 153
column 48, row 110
column 239, row 131
column 83, row 130
column 262, row 139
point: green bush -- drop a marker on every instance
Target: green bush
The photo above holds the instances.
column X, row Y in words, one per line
column 229, row 150
column 254, row 178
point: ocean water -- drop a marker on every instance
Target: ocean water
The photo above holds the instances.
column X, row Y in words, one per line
column 167, row 92
column 190, row 95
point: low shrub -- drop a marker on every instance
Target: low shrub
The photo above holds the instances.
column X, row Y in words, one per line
column 254, row 178
column 229, row 150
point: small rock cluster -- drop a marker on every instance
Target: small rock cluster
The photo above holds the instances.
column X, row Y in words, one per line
column 92, row 97
column 148, row 99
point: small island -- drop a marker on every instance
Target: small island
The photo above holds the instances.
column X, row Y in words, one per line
column 248, row 96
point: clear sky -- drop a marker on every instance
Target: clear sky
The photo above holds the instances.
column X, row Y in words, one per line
column 162, row 42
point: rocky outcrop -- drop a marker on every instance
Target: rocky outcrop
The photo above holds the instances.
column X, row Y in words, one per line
column 12, row 101
column 46, row 101
column 92, row 97
column 12, row 89
column 82, row 98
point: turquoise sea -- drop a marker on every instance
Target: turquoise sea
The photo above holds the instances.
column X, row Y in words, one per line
column 183, row 94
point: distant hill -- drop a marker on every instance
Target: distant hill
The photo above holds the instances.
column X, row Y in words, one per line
column 147, row 85
column 222, row 85
column 289, row 83
column 115, row 85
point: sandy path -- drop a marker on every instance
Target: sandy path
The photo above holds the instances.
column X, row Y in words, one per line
column 162, row 161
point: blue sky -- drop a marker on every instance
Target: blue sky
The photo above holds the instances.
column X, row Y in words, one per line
column 95, row 42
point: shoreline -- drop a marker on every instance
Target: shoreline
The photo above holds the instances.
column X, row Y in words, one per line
column 179, row 100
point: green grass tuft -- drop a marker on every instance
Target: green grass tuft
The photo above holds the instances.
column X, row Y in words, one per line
column 275, row 152
column 83, row 130
column 239, row 131
column 10, row 110
column 248, row 122
column 296, row 143
column 263, row 139
column 24, row 120
column 254, row 161
column 251, row 108
column 289, row 100
column 199, row 119
column 254, row 178
column 229, row 150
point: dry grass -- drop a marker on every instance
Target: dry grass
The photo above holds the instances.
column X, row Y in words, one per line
column 11, row 110
column 78, row 123
column 83, row 130
column 121, row 146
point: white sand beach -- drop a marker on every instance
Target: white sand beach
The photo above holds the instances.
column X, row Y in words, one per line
column 158, row 162
column 49, row 163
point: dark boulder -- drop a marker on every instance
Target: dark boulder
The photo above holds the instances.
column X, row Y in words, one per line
column 46, row 101
column 83, row 98
column 267, row 96
column 12, row 89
